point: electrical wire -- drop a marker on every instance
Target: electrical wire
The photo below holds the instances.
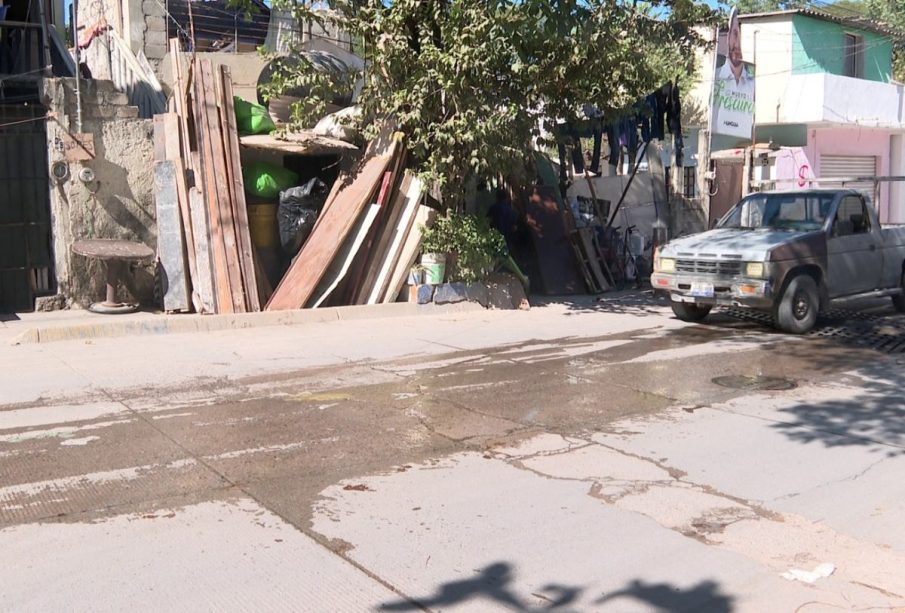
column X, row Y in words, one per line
column 23, row 121
column 18, row 75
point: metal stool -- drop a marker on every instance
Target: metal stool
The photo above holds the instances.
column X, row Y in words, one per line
column 116, row 255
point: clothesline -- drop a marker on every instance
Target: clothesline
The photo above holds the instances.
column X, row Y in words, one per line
column 658, row 114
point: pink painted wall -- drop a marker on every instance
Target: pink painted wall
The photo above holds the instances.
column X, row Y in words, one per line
column 792, row 165
column 852, row 141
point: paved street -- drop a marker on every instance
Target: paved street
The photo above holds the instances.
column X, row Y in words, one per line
column 580, row 456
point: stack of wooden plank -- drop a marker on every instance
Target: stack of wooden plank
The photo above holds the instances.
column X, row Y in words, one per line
column 365, row 241
column 199, row 174
column 366, row 238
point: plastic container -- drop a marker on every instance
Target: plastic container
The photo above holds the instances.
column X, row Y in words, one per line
column 416, row 276
column 434, row 266
column 262, row 223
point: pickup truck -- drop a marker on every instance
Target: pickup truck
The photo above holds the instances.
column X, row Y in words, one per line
column 789, row 253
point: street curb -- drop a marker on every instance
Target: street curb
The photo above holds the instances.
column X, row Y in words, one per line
column 187, row 324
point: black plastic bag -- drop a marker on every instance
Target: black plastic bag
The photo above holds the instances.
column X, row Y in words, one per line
column 299, row 208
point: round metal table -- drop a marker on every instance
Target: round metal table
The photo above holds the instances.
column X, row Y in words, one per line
column 116, row 256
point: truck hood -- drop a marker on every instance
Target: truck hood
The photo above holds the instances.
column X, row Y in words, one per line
column 747, row 245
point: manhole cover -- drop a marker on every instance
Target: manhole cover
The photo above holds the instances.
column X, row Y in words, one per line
column 743, row 382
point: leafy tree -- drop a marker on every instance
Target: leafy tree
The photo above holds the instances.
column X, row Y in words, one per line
column 892, row 14
column 471, row 82
column 746, row 7
column 847, row 9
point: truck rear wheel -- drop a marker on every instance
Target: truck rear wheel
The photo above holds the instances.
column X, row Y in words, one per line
column 899, row 301
column 688, row 311
column 799, row 305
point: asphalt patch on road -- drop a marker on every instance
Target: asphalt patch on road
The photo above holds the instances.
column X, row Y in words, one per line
column 755, row 383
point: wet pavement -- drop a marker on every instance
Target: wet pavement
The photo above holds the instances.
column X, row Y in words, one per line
column 581, row 456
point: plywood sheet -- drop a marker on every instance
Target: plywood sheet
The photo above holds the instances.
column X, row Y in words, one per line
column 333, row 227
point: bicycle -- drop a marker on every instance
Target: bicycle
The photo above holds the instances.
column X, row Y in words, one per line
column 637, row 266
column 624, row 254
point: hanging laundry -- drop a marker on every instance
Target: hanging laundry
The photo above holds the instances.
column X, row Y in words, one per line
column 612, row 137
column 656, row 116
column 598, row 142
column 674, row 120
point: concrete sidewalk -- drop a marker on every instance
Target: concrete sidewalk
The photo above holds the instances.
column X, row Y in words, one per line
column 83, row 366
column 80, row 324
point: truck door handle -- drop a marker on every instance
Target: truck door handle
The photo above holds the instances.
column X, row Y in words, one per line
column 873, row 247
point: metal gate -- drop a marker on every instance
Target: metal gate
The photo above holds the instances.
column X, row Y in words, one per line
column 851, row 166
column 727, row 187
column 25, row 233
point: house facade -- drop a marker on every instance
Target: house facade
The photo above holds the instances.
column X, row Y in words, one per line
column 825, row 91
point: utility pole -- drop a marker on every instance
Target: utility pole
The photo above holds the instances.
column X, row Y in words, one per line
column 78, row 65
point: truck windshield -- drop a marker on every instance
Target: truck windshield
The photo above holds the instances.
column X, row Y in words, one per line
column 794, row 212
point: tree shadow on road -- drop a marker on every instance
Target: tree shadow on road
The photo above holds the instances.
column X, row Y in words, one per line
column 705, row 597
column 493, row 583
column 642, row 303
column 874, row 417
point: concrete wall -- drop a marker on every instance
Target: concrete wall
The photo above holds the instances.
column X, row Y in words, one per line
column 639, row 206
column 829, row 98
column 819, row 46
column 119, row 204
column 768, row 43
column 141, row 23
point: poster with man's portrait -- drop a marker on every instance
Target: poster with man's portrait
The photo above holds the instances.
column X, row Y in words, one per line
column 733, row 86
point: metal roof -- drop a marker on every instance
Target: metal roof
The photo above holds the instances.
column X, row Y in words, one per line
column 854, row 22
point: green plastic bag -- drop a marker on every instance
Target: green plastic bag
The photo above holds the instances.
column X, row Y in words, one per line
column 267, row 180
column 252, row 118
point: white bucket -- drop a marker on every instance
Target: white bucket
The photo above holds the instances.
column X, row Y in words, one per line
column 434, row 265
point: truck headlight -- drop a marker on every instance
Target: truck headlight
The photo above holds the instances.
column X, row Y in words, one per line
column 667, row 265
column 754, row 269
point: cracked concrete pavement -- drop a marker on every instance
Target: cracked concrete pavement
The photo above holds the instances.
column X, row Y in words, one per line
column 576, row 457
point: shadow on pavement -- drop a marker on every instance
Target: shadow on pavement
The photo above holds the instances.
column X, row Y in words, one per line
column 874, row 417
column 705, row 597
column 629, row 302
column 494, row 583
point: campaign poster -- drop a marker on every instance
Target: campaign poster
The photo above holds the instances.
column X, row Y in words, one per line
column 733, row 86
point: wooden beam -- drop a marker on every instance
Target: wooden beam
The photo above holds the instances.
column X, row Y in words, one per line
column 386, row 279
column 220, row 184
column 205, row 170
column 205, row 279
column 383, row 254
column 240, row 210
column 409, row 253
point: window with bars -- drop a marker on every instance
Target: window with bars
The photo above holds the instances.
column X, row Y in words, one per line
column 688, row 183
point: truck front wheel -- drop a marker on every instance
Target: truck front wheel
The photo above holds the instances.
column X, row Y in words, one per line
column 688, row 311
column 799, row 305
column 898, row 300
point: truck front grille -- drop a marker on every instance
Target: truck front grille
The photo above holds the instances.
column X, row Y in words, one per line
column 709, row 267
